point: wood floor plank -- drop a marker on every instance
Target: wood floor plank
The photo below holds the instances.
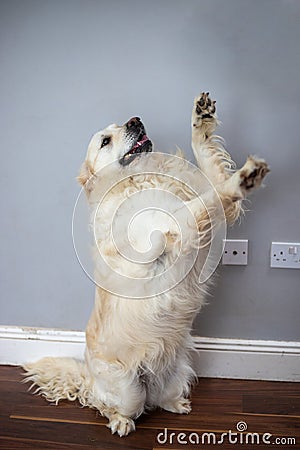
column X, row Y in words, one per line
column 11, row 373
column 30, row 444
column 74, row 414
column 93, row 436
column 269, row 404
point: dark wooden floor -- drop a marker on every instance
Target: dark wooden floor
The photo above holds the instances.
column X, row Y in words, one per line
column 29, row 422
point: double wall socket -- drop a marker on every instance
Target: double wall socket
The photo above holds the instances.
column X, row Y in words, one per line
column 235, row 252
column 285, row 255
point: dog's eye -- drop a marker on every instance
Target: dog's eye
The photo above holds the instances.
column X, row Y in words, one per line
column 105, row 142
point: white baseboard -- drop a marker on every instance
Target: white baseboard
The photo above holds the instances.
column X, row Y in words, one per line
column 247, row 359
column 214, row 358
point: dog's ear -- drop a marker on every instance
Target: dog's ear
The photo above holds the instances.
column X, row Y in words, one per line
column 84, row 174
column 86, row 178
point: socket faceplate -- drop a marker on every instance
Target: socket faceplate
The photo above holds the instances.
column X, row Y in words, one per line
column 235, row 252
column 285, row 255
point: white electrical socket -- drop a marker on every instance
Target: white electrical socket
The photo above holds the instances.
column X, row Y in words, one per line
column 285, row 255
column 235, row 252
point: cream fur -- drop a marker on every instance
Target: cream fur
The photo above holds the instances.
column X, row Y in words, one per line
column 138, row 351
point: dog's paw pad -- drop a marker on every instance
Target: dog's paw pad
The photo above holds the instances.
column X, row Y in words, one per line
column 205, row 108
column 121, row 425
column 253, row 173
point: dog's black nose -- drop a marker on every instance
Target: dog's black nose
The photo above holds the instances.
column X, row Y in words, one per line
column 133, row 122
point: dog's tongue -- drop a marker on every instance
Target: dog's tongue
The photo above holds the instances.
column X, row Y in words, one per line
column 141, row 142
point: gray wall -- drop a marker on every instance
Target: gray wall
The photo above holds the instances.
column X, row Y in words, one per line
column 69, row 68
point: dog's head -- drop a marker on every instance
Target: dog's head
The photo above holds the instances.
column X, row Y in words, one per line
column 118, row 145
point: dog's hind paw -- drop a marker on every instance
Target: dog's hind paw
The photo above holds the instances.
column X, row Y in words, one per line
column 179, row 406
column 121, row 425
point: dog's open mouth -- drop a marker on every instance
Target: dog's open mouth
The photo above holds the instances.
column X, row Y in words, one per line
column 142, row 145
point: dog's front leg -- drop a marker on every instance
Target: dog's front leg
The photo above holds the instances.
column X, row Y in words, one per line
column 209, row 152
column 225, row 199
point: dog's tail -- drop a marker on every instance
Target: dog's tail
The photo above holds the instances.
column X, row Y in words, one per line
column 59, row 378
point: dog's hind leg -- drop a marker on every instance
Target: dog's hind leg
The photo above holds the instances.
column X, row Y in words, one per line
column 209, row 152
column 117, row 393
column 122, row 401
column 128, row 400
column 170, row 389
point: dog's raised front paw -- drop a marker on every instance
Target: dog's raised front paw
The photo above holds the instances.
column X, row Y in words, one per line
column 252, row 174
column 205, row 108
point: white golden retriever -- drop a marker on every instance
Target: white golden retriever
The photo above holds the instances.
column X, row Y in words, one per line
column 147, row 267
